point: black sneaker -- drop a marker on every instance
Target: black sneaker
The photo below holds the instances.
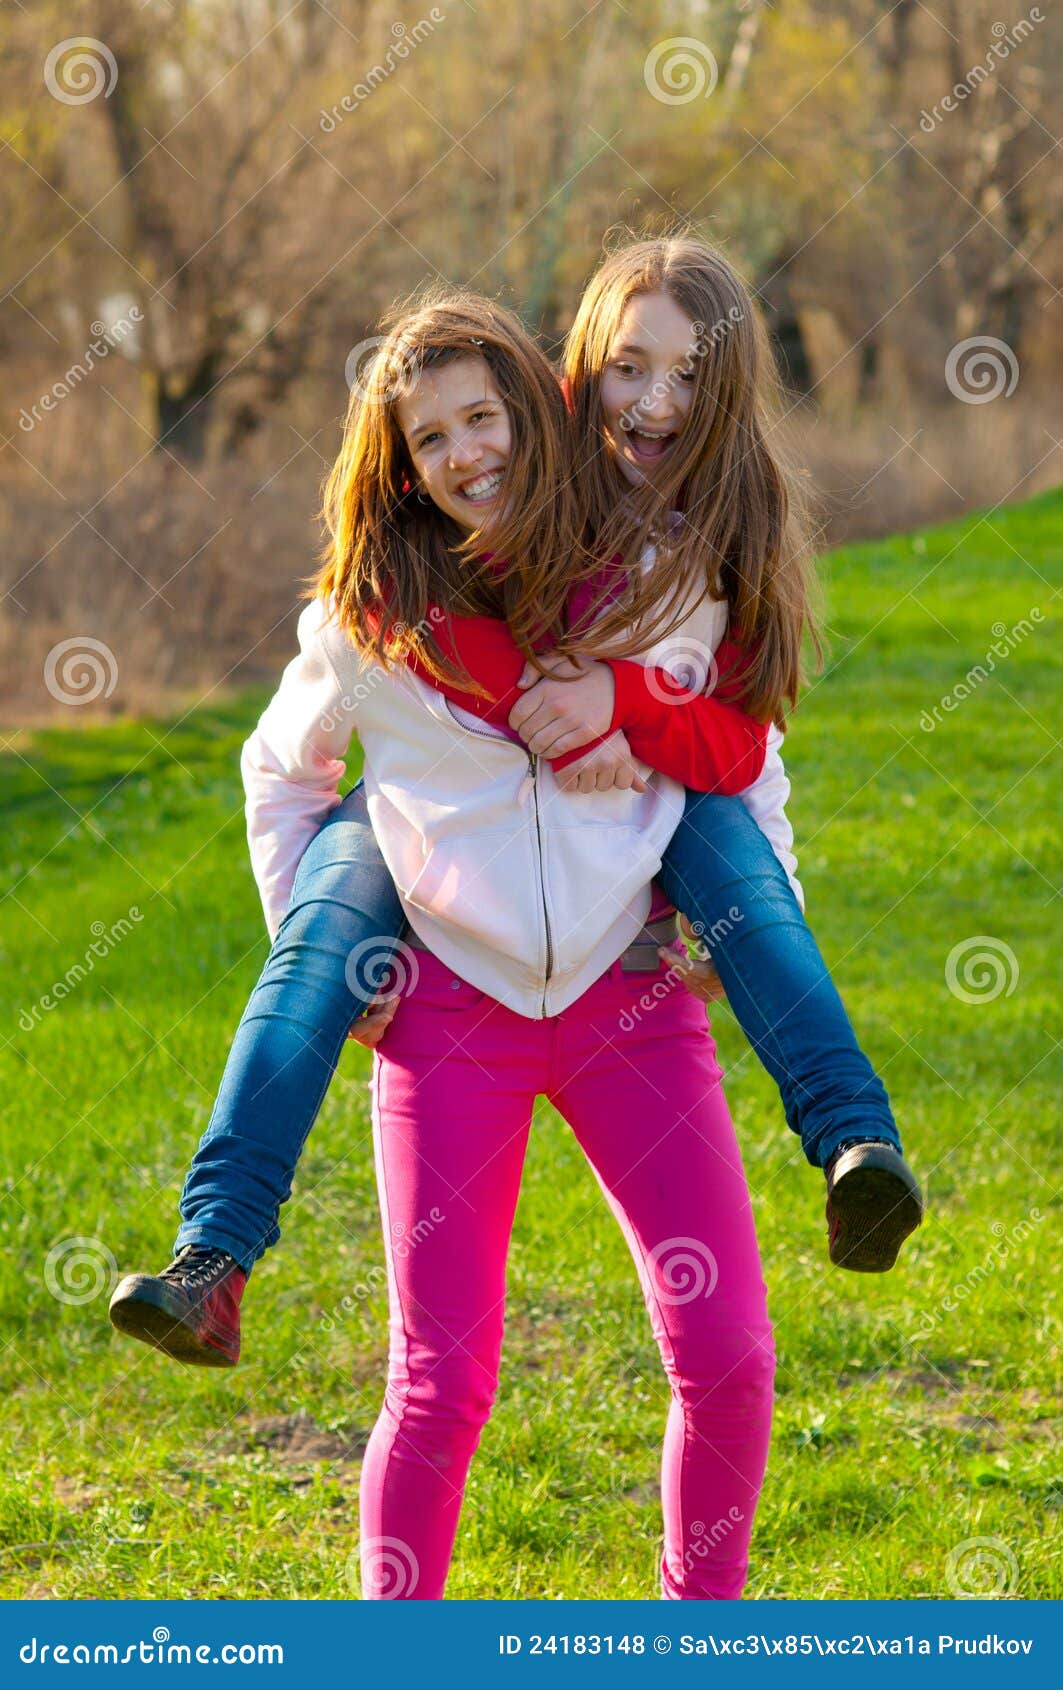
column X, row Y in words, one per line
column 191, row 1311
column 873, row 1203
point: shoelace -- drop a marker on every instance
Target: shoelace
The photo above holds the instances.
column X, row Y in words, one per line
column 196, row 1267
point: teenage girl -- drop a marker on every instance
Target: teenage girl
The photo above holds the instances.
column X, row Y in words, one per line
column 528, row 902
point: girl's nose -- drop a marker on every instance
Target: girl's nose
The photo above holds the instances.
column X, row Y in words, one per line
column 655, row 407
column 464, row 454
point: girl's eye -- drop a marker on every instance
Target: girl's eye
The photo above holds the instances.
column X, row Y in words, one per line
column 623, row 369
column 687, row 375
column 427, row 440
column 481, row 416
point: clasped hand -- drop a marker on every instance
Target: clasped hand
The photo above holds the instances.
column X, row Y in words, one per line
column 556, row 714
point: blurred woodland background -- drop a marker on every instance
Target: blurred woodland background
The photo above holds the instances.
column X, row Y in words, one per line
column 207, row 204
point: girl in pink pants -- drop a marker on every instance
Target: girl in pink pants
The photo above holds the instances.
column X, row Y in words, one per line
column 454, row 1086
column 527, row 888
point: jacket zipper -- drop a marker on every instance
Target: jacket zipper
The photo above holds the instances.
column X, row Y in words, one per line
column 533, row 765
column 534, row 762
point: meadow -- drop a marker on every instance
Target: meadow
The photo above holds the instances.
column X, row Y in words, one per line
column 916, row 1446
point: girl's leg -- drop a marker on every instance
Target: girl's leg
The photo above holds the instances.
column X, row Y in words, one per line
column 642, row 1090
column 720, row 870
column 453, row 1092
column 327, row 960
column 341, row 928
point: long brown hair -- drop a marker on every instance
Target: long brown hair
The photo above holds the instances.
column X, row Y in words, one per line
column 392, row 555
column 743, row 533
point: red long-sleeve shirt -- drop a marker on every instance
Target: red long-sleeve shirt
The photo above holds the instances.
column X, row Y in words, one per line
column 707, row 742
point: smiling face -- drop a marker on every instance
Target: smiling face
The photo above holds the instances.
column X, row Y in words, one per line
column 457, row 431
column 648, row 385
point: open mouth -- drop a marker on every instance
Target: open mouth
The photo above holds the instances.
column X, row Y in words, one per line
column 483, row 488
column 647, row 445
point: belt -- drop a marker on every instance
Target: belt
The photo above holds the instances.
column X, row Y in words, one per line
column 639, row 958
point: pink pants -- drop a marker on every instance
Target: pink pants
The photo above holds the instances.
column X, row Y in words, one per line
column 454, row 1085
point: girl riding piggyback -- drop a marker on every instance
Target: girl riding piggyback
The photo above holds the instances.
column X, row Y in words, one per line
column 669, row 382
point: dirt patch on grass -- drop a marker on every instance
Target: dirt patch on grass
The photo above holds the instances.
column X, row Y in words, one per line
column 983, row 1429
column 294, row 1440
column 75, row 1494
column 948, row 1380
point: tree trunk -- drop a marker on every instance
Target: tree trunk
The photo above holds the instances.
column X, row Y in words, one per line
column 183, row 407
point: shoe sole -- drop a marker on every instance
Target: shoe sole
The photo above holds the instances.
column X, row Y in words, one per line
column 875, row 1211
column 140, row 1311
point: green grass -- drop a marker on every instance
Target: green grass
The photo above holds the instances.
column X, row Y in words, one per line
column 903, row 1428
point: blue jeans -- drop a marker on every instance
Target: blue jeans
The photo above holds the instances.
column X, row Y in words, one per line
column 720, row 870
column 329, row 958
column 343, row 925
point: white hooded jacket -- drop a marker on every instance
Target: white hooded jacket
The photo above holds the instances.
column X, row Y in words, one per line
column 525, row 890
